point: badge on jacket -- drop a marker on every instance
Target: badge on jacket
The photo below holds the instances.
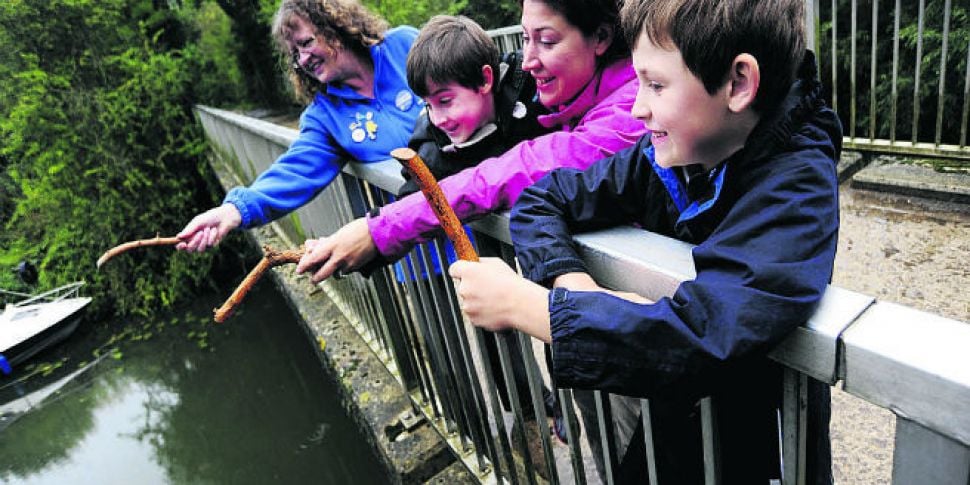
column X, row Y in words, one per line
column 363, row 127
column 404, row 100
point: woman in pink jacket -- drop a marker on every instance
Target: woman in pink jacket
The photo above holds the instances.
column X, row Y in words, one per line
column 583, row 75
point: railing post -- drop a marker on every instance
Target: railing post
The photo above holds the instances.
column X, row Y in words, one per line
column 794, row 414
column 922, row 456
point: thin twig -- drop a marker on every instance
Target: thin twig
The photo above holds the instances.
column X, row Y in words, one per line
column 272, row 258
column 156, row 241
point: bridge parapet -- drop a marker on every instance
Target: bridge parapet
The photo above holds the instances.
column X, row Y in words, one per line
column 915, row 364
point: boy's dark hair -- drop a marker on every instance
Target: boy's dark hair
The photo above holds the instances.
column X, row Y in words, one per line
column 588, row 16
column 709, row 35
column 451, row 49
column 344, row 21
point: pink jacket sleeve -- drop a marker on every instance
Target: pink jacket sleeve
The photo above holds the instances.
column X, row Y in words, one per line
column 495, row 183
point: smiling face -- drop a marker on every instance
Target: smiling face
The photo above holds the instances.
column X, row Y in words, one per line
column 459, row 111
column 324, row 61
column 689, row 125
column 557, row 54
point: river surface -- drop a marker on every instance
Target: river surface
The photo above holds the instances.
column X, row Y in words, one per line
column 181, row 400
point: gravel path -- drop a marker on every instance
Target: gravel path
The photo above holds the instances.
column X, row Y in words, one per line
column 906, row 250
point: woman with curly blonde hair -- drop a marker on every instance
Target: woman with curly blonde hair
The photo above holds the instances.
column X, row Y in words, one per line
column 348, row 67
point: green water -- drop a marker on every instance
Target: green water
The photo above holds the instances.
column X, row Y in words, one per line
column 183, row 401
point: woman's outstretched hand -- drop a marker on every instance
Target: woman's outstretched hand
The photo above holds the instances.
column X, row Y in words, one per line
column 208, row 228
column 495, row 298
column 346, row 250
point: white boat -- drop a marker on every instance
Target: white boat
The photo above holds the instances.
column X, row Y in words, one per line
column 38, row 321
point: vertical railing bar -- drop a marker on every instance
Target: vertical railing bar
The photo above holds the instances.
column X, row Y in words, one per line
column 648, row 441
column 919, row 68
column 425, row 337
column 835, row 57
column 604, row 416
column 354, row 204
column 346, row 202
column 712, row 466
column 388, row 332
column 408, row 324
column 538, row 406
column 440, row 366
column 941, row 102
column 478, row 399
column 534, row 379
column 493, row 393
column 411, row 328
column 368, row 290
column 571, row 423
column 895, row 87
column 493, row 399
column 396, row 329
column 966, row 102
column 365, row 292
column 391, row 340
column 872, row 70
column 811, row 26
column 415, row 352
column 794, row 427
column 436, row 324
column 505, row 360
column 455, row 361
column 852, row 73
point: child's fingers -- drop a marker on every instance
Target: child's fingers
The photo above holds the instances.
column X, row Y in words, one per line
column 458, row 269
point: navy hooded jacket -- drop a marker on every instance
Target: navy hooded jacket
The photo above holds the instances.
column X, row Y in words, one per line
column 765, row 226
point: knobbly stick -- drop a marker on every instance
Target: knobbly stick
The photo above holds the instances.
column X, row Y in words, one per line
column 272, row 258
column 156, row 241
column 439, row 204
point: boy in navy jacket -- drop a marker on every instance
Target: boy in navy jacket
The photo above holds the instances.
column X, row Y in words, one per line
column 741, row 163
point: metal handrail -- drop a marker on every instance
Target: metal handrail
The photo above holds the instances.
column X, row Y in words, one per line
column 56, row 294
column 412, row 322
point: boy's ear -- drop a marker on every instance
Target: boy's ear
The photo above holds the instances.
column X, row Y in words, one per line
column 744, row 81
column 489, row 79
column 604, row 38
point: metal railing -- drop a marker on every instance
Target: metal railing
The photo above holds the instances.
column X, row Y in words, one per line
column 912, row 363
column 900, row 88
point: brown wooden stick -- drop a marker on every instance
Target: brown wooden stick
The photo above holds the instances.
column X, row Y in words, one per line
column 272, row 258
column 156, row 241
column 439, row 203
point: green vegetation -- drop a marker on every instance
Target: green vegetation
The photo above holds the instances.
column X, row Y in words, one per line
column 932, row 47
column 98, row 142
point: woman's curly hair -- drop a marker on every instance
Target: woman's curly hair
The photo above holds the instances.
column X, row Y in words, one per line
column 343, row 22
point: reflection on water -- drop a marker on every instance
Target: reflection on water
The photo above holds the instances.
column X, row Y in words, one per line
column 244, row 402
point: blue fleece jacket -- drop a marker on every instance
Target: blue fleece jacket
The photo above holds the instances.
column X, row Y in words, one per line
column 339, row 125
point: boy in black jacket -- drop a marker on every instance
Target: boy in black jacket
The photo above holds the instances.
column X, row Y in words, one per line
column 477, row 107
column 741, row 163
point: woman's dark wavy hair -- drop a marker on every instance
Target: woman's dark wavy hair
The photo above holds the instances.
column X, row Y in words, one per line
column 343, row 22
column 587, row 16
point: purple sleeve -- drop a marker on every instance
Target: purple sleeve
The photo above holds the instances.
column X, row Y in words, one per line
column 495, row 183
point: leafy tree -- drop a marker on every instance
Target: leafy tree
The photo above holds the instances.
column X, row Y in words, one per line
column 493, row 15
column 928, row 96
column 254, row 52
column 99, row 138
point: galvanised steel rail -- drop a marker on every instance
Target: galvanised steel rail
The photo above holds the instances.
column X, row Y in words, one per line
column 895, row 88
column 912, row 363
